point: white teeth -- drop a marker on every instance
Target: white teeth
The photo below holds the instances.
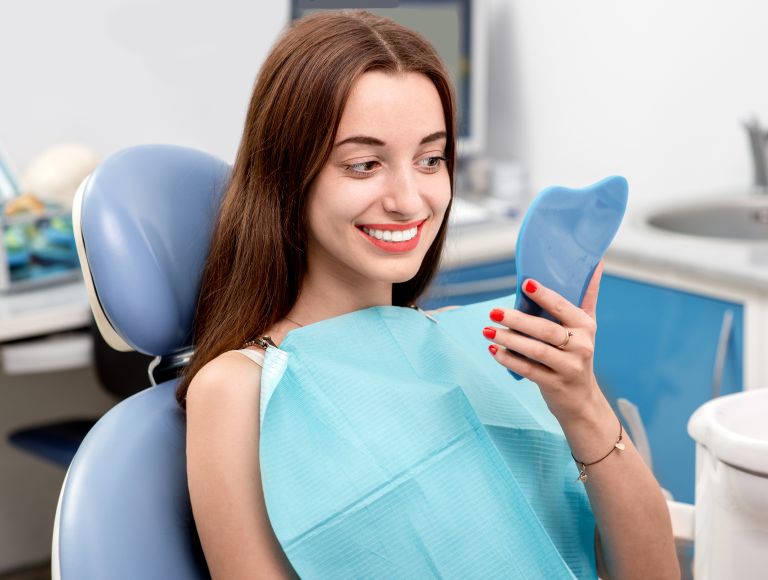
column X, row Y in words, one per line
column 392, row 235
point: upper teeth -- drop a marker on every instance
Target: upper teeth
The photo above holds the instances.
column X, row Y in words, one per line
column 392, row 235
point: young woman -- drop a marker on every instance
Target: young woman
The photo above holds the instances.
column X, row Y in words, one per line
column 338, row 202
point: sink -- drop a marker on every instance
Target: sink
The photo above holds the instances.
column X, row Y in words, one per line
column 738, row 218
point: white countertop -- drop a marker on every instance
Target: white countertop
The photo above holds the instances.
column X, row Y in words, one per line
column 719, row 261
column 43, row 311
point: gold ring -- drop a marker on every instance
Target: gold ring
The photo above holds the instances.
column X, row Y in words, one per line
column 568, row 335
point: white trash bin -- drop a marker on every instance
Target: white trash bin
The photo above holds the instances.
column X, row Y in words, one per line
column 731, row 519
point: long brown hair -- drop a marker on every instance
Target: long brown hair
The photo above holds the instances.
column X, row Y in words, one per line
column 257, row 258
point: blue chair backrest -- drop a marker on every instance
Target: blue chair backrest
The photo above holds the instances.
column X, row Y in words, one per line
column 145, row 218
column 124, row 511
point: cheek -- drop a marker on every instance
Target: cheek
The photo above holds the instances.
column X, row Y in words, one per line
column 326, row 205
column 333, row 211
column 349, row 199
column 440, row 196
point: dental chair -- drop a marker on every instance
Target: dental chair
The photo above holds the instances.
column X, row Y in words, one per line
column 143, row 222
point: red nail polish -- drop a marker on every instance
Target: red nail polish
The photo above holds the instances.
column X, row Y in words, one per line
column 531, row 287
column 497, row 315
column 492, row 348
column 489, row 332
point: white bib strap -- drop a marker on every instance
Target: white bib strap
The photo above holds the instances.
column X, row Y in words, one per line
column 255, row 355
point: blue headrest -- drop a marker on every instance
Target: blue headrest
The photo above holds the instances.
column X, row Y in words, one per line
column 143, row 221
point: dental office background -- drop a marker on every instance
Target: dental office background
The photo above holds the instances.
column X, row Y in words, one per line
column 655, row 91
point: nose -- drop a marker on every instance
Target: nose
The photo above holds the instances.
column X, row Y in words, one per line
column 403, row 196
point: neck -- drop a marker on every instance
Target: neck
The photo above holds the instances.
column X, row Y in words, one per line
column 323, row 297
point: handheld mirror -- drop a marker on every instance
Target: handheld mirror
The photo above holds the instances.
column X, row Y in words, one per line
column 563, row 237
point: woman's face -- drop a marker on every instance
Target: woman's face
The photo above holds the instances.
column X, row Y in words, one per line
column 377, row 204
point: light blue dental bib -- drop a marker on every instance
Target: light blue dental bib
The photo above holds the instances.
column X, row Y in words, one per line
column 396, row 447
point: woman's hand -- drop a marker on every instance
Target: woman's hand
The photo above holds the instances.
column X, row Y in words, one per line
column 557, row 357
column 635, row 532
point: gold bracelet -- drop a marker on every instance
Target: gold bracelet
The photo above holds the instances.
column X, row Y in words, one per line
column 583, row 466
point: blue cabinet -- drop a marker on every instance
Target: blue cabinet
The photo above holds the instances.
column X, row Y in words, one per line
column 658, row 347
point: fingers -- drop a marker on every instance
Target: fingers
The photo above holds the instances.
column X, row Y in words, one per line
column 589, row 304
column 528, row 347
column 531, row 326
column 559, row 358
column 534, row 346
column 560, row 309
column 521, row 365
column 543, row 362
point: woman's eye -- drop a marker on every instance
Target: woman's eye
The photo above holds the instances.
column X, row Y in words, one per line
column 432, row 163
column 362, row 168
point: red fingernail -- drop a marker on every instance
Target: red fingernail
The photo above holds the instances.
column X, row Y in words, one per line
column 489, row 332
column 492, row 348
column 497, row 315
column 531, row 287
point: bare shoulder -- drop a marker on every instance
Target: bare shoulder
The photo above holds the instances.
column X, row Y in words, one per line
column 223, row 471
column 227, row 374
column 223, row 409
column 229, row 379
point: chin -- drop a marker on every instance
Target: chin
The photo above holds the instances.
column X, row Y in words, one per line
column 402, row 274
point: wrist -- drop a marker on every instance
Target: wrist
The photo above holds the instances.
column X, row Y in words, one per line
column 593, row 430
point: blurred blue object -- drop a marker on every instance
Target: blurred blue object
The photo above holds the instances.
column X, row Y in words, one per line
column 15, row 243
column 40, row 249
column 17, row 259
column 59, row 232
column 55, row 442
column 563, row 237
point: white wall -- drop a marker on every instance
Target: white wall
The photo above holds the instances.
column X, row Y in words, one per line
column 653, row 90
column 115, row 73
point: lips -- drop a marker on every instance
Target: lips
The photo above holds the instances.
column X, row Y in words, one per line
column 392, row 227
column 393, row 246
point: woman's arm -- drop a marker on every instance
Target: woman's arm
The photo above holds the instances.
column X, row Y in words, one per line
column 223, row 472
column 634, row 526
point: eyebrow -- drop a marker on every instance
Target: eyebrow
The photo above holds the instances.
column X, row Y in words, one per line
column 365, row 140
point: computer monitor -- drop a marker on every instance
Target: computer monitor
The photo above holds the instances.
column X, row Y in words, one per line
column 457, row 29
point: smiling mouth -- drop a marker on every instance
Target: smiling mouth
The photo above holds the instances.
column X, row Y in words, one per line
column 393, row 237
